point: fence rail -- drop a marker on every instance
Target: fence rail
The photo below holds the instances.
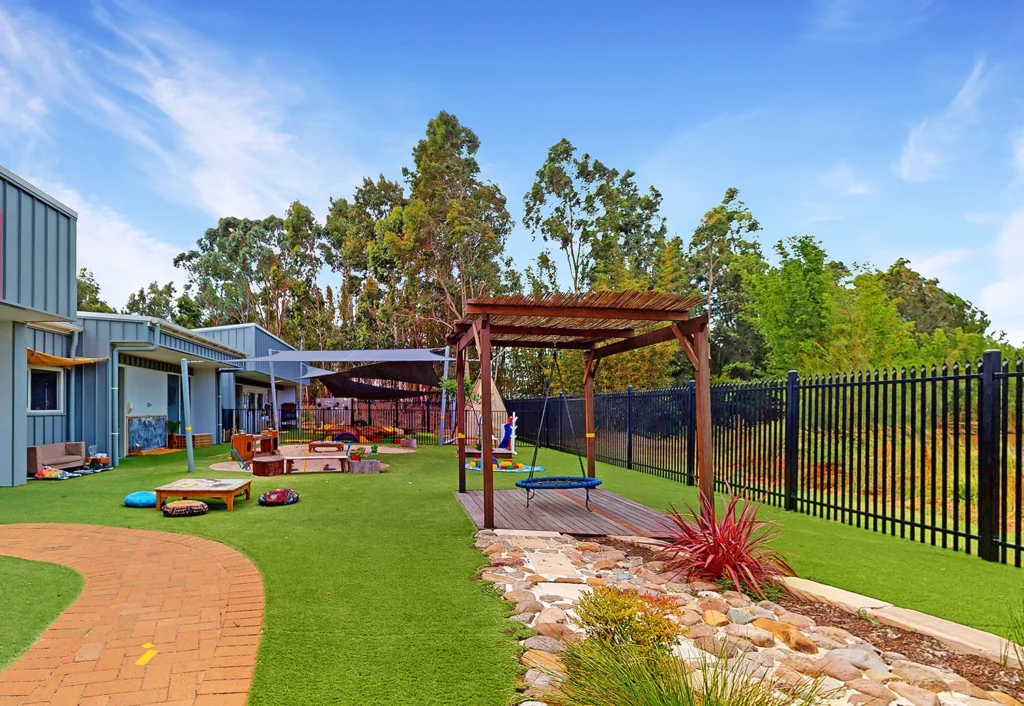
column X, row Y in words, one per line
column 930, row 454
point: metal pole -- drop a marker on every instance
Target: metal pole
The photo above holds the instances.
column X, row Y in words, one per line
column 792, row 431
column 187, row 403
column 273, row 392
column 444, row 399
column 988, row 457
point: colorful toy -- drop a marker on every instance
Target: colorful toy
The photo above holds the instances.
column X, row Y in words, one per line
column 278, row 496
column 503, row 466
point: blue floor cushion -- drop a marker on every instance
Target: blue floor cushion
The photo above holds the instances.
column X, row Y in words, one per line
column 185, row 508
column 140, row 498
column 279, row 496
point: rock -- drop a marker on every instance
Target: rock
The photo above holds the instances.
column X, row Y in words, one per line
column 788, row 634
column 491, row 576
column 524, row 618
column 837, row 634
column 740, row 599
column 676, row 587
column 550, row 598
column 594, row 581
column 685, row 650
column 689, row 617
column 544, row 661
column 537, row 678
column 506, row 561
column 535, row 578
column 754, row 635
column 603, row 564
column 800, row 621
column 716, row 646
column 700, row 585
column 837, row 668
column 740, row 616
column 533, row 703
column 825, row 643
column 738, row 645
column 558, row 631
column 919, row 675
column 568, row 579
column 1004, row 699
column 800, row 664
column 551, row 615
column 588, row 547
column 714, row 618
column 961, row 686
column 914, row 694
column 494, row 549
column 531, row 606
column 699, row 630
column 790, row 681
column 759, row 612
column 716, row 604
column 861, row 658
column 519, row 596
column 544, row 644
column 891, row 657
column 872, row 689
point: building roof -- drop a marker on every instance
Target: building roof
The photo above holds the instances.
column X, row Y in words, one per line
column 37, row 192
column 169, row 327
column 573, row 320
column 225, row 327
column 407, row 355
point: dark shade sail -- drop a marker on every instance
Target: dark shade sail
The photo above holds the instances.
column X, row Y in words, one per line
column 343, row 387
column 419, row 373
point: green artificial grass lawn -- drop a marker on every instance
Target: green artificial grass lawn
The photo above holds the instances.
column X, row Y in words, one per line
column 368, row 579
column 32, row 595
column 933, row 580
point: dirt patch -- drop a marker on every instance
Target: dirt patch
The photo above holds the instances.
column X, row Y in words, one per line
column 983, row 672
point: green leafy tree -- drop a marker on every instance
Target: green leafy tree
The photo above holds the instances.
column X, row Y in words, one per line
column 928, row 306
column 153, row 300
column 89, row 294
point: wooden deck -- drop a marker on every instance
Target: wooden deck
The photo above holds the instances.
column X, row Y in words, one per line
column 565, row 511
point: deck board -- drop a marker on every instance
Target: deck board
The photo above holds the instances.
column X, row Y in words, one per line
column 565, row 511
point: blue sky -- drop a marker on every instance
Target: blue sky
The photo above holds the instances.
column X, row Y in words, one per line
column 885, row 128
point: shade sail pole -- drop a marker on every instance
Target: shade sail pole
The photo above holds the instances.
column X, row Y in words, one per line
column 186, row 395
column 486, row 423
column 460, row 413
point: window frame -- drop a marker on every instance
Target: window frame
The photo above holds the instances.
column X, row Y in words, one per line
column 60, row 392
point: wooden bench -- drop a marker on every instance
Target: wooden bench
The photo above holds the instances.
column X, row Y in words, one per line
column 317, row 446
column 319, row 460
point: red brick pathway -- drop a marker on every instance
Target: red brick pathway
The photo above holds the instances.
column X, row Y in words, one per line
column 194, row 607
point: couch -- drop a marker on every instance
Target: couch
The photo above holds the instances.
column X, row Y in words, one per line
column 64, row 455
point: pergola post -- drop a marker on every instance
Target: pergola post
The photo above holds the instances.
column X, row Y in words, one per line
column 486, row 423
column 460, row 413
column 702, row 377
column 589, row 370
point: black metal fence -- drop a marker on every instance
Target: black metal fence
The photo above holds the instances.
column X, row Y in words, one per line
column 377, row 421
column 931, row 454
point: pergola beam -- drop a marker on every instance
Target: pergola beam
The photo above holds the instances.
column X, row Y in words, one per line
column 561, row 331
column 575, row 312
column 561, row 345
column 651, row 338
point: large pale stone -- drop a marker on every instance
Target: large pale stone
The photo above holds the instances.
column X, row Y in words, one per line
column 819, row 592
column 714, row 618
column 861, row 658
column 570, row 592
column 551, row 615
column 914, row 694
column 872, row 689
column 920, row 675
column 529, row 606
column 544, row 644
column 754, row 635
column 552, row 566
column 838, row 668
column 544, row 661
column 519, row 595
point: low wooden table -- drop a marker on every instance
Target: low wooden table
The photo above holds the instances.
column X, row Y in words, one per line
column 315, row 446
column 220, row 489
column 319, row 459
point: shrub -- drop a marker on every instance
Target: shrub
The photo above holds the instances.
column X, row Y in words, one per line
column 735, row 546
column 598, row 674
column 617, row 617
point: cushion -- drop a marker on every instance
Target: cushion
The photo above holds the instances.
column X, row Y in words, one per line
column 140, row 498
column 185, row 508
column 52, row 473
column 279, row 496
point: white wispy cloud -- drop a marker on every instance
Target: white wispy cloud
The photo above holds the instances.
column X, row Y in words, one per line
column 121, row 256
column 941, row 265
column 867, row 20
column 932, row 143
column 207, row 128
column 1001, row 298
column 842, row 179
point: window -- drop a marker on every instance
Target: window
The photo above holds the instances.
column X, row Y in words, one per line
column 46, row 390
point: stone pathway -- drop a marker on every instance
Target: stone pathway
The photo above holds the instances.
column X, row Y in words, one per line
column 163, row 619
column 545, row 574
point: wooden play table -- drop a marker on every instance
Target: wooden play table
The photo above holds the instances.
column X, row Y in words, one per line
column 318, row 461
column 220, row 489
column 316, row 446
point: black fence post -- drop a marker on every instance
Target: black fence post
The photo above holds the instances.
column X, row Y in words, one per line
column 792, row 432
column 988, row 457
column 629, row 427
column 691, row 431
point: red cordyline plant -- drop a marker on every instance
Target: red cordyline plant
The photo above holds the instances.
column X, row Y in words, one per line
column 736, row 546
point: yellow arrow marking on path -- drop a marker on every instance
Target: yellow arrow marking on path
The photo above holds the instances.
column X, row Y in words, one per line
column 147, row 655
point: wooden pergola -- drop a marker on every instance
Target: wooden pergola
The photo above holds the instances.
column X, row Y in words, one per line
column 601, row 324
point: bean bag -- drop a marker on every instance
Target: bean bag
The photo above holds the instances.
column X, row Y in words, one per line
column 140, row 498
column 185, row 508
column 279, row 496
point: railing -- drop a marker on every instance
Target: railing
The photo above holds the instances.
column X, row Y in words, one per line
column 931, row 454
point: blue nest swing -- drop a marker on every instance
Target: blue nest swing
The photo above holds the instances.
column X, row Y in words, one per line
column 533, row 483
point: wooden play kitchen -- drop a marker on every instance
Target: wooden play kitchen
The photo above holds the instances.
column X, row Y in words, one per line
column 219, row 489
